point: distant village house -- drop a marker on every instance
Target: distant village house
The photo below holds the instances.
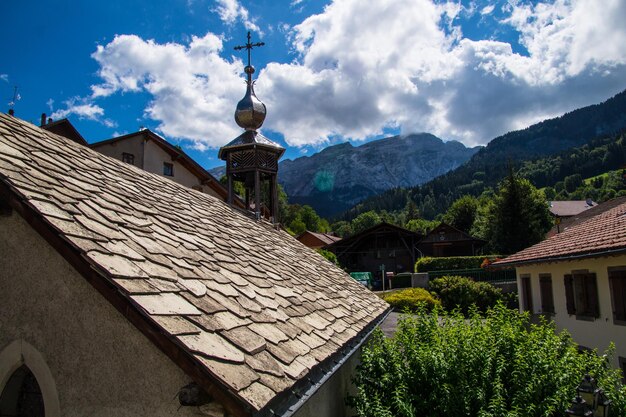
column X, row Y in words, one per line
column 316, row 240
column 445, row 240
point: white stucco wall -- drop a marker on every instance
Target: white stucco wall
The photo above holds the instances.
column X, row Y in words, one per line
column 330, row 399
column 100, row 363
column 153, row 162
column 592, row 334
column 133, row 146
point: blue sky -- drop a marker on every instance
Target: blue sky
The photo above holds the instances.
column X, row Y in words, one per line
column 331, row 71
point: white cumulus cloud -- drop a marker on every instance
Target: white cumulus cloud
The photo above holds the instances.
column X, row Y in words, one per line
column 231, row 11
column 362, row 69
column 393, row 64
column 193, row 89
column 80, row 108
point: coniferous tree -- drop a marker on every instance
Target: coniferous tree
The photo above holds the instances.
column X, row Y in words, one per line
column 518, row 216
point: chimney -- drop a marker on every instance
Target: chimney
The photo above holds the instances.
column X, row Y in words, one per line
column 11, row 112
column 43, row 119
column 49, row 120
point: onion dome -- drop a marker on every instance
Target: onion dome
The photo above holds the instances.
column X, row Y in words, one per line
column 251, row 111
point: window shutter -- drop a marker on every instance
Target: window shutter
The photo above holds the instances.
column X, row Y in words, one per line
column 527, row 297
column 592, row 295
column 545, row 287
column 617, row 281
column 569, row 294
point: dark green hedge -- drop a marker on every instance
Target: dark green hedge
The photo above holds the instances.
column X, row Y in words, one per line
column 401, row 280
column 427, row 264
column 463, row 294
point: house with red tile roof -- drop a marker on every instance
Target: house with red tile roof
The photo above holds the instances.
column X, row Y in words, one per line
column 125, row 293
column 578, row 278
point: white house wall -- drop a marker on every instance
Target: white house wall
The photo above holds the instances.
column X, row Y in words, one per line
column 154, row 158
column 100, row 363
column 591, row 334
column 132, row 145
column 150, row 157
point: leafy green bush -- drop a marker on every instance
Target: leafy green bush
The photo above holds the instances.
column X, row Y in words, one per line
column 463, row 293
column 427, row 264
column 411, row 299
column 500, row 365
column 328, row 255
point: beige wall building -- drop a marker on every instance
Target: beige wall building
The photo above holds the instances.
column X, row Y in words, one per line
column 124, row 293
column 148, row 151
column 578, row 279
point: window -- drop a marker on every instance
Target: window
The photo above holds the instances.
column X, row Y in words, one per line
column 622, row 365
column 22, row 396
column 617, row 283
column 129, row 158
column 168, row 169
column 581, row 295
column 527, row 296
column 547, row 299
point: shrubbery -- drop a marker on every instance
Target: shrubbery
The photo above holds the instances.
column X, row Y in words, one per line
column 328, row 255
column 427, row 264
column 499, row 365
column 462, row 293
column 411, row 299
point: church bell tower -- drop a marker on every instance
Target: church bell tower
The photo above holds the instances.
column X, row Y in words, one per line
column 251, row 158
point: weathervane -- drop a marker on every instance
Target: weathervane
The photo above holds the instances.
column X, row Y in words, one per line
column 249, row 69
column 16, row 97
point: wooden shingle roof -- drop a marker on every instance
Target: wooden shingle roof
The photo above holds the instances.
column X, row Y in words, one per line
column 247, row 311
column 597, row 235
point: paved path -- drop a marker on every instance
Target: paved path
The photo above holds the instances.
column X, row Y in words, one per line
column 389, row 325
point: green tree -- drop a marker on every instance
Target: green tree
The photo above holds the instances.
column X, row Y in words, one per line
column 550, row 193
column 421, row 226
column 341, row 228
column 297, row 226
column 365, row 221
column 462, row 213
column 310, row 218
column 498, row 365
column 572, row 182
column 518, row 216
column 412, row 213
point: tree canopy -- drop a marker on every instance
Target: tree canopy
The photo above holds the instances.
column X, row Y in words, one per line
column 517, row 217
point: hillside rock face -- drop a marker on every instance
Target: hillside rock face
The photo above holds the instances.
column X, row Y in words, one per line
column 342, row 175
column 491, row 164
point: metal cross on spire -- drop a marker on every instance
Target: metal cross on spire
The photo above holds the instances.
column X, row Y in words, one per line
column 249, row 45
